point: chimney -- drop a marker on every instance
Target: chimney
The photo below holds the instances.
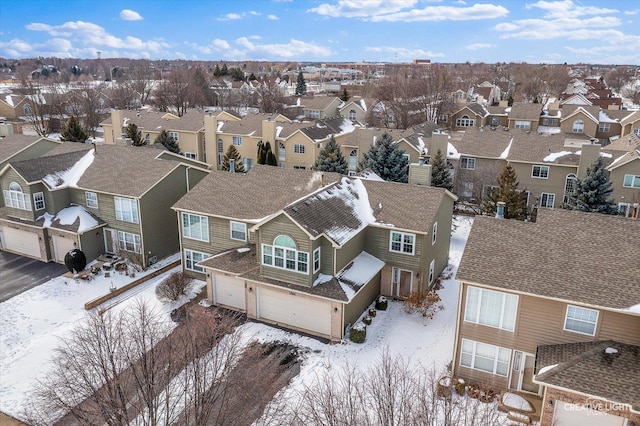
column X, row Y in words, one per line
column 420, row 174
column 232, row 165
column 439, row 141
column 590, row 153
column 116, row 123
column 500, row 210
column 269, row 132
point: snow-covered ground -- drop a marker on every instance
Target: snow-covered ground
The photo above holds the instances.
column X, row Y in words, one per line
column 32, row 323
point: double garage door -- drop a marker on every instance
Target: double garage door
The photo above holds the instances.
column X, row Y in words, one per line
column 295, row 310
column 21, row 241
column 576, row 415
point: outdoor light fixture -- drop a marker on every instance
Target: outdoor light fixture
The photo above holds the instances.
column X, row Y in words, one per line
column 550, row 403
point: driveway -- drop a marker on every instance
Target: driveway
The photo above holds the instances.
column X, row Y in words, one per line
column 19, row 273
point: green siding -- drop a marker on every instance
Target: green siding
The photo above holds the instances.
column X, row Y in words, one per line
column 377, row 244
column 92, row 245
column 7, row 178
column 362, row 300
column 36, row 150
column 350, row 250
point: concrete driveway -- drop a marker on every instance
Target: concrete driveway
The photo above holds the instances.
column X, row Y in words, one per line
column 19, row 273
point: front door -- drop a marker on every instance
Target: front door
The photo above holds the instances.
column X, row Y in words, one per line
column 402, row 282
column 110, row 240
column 522, row 372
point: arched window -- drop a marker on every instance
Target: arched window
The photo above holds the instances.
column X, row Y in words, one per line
column 465, row 121
column 282, row 153
column 578, row 126
column 352, row 115
column 283, row 255
column 27, row 109
column 569, row 186
column 353, row 159
column 16, row 198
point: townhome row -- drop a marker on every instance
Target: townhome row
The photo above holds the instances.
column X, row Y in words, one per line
column 315, row 252
column 551, row 309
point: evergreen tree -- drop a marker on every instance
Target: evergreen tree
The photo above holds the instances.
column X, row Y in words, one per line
column 591, row 194
column 225, row 70
column 301, row 87
column 507, row 191
column 135, row 135
column 216, row 71
column 252, row 77
column 73, row 131
column 233, row 154
column 261, row 158
column 440, row 176
column 330, row 159
column 386, row 160
column 271, row 157
column 345, row 95
column 266, row 155
column 168, row 142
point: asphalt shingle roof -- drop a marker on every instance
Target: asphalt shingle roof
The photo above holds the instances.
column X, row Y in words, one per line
column 533, row 257
column 525, row 111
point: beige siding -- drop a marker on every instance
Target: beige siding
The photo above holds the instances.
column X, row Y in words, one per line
column 554, row 184
column 631, row 195
column 590, row 126
column 282, row 225
column 486, row 173
column 326, row 257
column 377, row 244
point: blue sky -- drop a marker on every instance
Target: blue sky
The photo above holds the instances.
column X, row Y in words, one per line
column 537, row 31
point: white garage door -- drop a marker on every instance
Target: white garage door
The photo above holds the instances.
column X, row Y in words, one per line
column 295, row 310
column 23, row 242
column 61, row 246
column 576, row 415
column 228, row 291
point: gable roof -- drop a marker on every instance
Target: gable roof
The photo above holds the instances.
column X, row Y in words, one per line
column 509, row 255
column 154, row 121
column 14, row 143
column 525, row 111
column 592, row 112
column 604, row 369
column 476, row 108
column 329, row 126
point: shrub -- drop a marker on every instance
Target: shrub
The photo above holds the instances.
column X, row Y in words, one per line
column 367, row 320
column 174, row 286
column 381, row 303
column 372, row 312
column 358, row 333
column 424, row 302
column 75, row 261
column 459, row 386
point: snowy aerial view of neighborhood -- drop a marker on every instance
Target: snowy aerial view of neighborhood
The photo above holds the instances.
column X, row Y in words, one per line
column 423, row 213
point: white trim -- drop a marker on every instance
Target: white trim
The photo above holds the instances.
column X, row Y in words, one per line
column 231, row 223
column 402, row 242
column 580, row 320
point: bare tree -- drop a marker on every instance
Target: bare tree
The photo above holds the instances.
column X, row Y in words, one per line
column 617, row 78
column 43, row 105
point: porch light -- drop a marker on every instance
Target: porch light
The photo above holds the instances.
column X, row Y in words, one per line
column 550, row 403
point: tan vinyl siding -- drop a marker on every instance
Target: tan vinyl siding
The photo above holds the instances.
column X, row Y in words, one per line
column 554, row 184
column 377, row 244
column 362, row 300
column 350, row 250
column 282, row 225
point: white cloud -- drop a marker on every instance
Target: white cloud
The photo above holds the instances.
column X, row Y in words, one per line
column 238, row 16
column 562, row 28
column 249, row 48
column 403, row 53
column 560, row 9
column 476, row 46
column 130, row 15
column 362, row 8
column 273, row 17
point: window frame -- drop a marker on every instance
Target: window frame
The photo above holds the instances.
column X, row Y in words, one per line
column 577, row 126
column 540, row 171
column 434, row 233
column 120, row 202
column 508, row 314
column 468, row 163
column 544, row 199
column 17, row 198
column 231, row 230
column 522, row 125
column 190, row 262
column 316, row 260
column 236, row 140
column 89, row 202
column 496, row 357
column 432, row 269
column 581, row 320
column 38, row 200
column 290, row 258
column 175, row 136
column 299, row 148
column 634, row 181
column 191, row 155
column 465, row 121
column 402, row 242
column 122, row 241
column 604, row 127
column 203, row 221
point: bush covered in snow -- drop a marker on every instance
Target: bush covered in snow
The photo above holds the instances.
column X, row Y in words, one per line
column 381, row 303
column 358, row 332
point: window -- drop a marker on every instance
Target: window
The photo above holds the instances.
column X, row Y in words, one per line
column 466, row 189
column 637, row 131
column 547, row 200
column 432, row 266
column 631, row 181
column 316, row 260
column 495, row 121
column 465, row 121
column 604, row 127
column 237, row 140
column 481, row 356
column 174, row 136
column 14, row 197
column 401, row 242
column 434, row 233
column 282, row 153
column 247, row 163
column 220, row 145
column 524, row 125
column 540, row 172
column 204, row 150
column 191, row 258
column 578, row 126
column 353, row 159
column 443, row 118
column 491, row 308
column 314, row 114
column 569, row 186
column 38, row 201
column 299, row 167
column 129, row 242
column 467, row 163
column 91, row 199
column 195, row 227
column 238, row 231
column 549, row 121
column 395, row 275
column 352, row 115
column 581, row 320
column 126, row 209
column 298, row 148
column 27, row 109
column 283, row 255
column 147, row 139
column 191, row 155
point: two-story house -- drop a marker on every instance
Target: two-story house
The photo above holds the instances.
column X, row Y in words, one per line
column 315, row 252
column 540, row 305
column 99, row 199
column 525, row 116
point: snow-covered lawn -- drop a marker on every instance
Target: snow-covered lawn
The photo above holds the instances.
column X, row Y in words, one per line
column 32, row 323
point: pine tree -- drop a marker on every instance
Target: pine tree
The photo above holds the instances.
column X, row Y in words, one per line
column 591, row 194
column 301, row 87
column 168, row 142
column 345, row 95
column 266, row 155
column 233, row 154
column 440, row 176
column 330, row 159
column 225, row 70
column 135, row 135
column 261, row 158
column 216, row 71
column 507, row 191
column 386, row 160
column 73, row 131
column 271, row 158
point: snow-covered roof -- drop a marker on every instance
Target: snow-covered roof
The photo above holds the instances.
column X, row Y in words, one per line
column 71, row 176
column 72, row 215
column 359, row 272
